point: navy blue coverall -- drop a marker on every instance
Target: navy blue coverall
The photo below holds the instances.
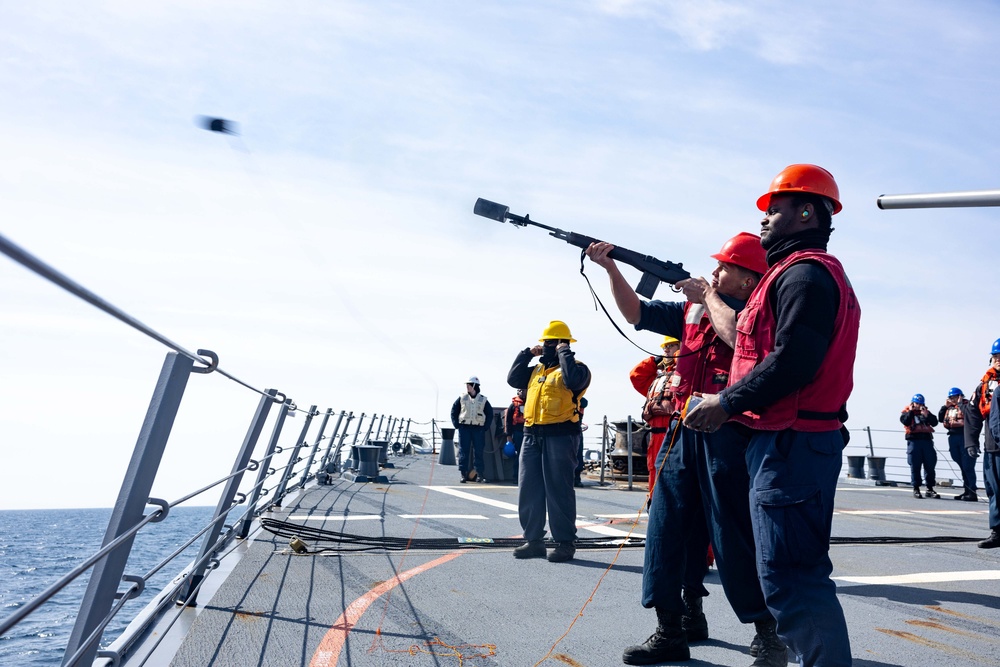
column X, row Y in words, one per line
column 793, row 473
column 701, row 494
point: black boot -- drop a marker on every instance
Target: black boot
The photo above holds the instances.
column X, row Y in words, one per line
column 563, row 552
column 530, row 549
column 916, row 492
column 931, row 493
column 991, row 542
column 771, row 651
column 694, row 622
column 667, row 644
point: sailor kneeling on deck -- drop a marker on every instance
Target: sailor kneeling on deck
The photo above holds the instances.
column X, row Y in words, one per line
column 552, row 436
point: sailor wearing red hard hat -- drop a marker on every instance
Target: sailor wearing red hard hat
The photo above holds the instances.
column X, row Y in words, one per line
column 791, row 377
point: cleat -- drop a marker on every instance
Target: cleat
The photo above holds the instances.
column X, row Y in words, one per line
column 563, row 552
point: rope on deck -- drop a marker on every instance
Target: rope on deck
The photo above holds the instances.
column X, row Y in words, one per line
column 347, row 542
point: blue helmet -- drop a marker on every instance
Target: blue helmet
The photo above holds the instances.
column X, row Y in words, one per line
column 918, row 399
column 955, row 391
column 996, row 347
column 508, row 450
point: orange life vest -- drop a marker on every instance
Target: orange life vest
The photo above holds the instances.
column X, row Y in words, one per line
column 953, row 416
column 918, row 425
column 986, row 395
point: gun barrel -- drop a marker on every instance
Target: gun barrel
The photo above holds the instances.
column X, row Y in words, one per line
column 940, row 199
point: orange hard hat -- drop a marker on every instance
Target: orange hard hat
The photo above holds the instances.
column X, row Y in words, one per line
column 803, row 178
column 744, row 250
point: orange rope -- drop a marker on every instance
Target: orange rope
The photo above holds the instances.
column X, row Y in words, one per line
column 621, row 546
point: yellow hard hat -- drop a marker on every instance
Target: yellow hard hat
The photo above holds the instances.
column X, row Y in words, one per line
column 557, row 331
column 669, row 340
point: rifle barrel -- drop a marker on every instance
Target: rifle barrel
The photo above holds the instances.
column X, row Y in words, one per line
column 941, row 199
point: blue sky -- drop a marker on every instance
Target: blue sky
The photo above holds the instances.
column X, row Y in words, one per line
column 332, row 253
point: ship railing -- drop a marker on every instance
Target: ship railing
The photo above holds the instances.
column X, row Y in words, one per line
column 105, row 594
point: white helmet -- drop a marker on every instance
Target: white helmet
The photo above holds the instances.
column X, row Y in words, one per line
column 473, row 380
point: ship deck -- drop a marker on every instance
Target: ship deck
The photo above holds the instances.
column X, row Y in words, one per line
column 438, row 604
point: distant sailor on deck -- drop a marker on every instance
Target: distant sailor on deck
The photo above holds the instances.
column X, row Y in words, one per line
column 919, row 424
column 983, row 407
column 952, row 417
column 471, row 414
column 552, row 435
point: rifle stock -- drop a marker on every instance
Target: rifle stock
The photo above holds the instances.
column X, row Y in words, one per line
column 654, row 271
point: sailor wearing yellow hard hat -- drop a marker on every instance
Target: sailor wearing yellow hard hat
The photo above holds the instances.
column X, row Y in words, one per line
column 552, row 434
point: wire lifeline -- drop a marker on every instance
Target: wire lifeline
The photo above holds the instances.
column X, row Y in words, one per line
column 33, row 263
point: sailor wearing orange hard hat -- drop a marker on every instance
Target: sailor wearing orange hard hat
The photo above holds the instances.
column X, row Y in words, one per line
column 694, row 471
column 791, row 376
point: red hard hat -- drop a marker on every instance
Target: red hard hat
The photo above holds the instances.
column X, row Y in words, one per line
column 744, row 250
column 803, row 178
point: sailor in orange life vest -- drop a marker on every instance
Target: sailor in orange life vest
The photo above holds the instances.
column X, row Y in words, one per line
column 513, row 426
column 791, row 376
column 983, row 407
column 653, row 378
column 952, row 417
column 919, row 424
column 552, row 434
column 698, row 474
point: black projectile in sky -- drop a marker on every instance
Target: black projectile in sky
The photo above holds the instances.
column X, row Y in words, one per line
column 220, row 125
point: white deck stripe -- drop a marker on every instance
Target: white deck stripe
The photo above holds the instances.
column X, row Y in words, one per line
column 601, row 529
column 335, row 517
column 442, row 516
column 904, row 512
column 471, row 496
column 925, row 577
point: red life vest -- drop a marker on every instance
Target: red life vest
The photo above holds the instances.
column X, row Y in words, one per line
column 659, row 397
column 917, row 425
column 818, row 405
column 704, row 359
column 986, row 394
column 517, row 416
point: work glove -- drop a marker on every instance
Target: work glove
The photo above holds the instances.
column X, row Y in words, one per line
column 973, row 452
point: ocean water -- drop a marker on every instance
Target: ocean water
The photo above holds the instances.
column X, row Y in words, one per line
column 37, row 547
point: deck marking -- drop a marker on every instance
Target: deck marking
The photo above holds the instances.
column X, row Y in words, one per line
column 336, row 517
column 442, row 516
column 925, row 577
column 607, row 530
column 630, row 515
column 471, row 496
column 328, row 652
column 906, row 512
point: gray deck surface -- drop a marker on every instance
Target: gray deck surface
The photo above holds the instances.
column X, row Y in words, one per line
column 484, row 607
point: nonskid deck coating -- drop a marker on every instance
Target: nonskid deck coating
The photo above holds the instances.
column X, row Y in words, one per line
column 916, row 604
